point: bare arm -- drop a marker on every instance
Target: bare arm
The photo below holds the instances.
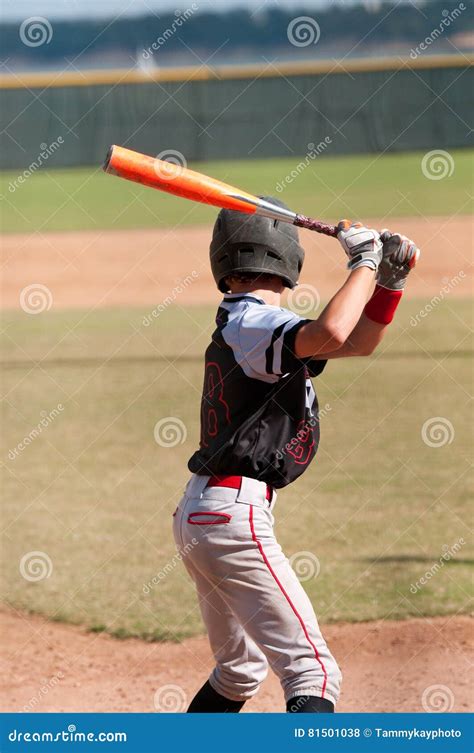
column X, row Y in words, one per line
column 342, row 316
column 399, row 257
column 343, row 329
column 362, row 341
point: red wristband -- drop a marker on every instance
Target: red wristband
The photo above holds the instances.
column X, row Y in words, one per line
column 383, row 304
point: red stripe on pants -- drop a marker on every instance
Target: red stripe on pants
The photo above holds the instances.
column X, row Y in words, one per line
column 300, row 619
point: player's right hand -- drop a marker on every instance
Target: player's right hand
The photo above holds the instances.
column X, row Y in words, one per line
column 400, row 256
column 361, row 244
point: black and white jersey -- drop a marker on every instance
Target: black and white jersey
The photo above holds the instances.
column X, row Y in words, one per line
column 259, row 412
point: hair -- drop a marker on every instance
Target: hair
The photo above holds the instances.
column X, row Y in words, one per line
column 244, row 278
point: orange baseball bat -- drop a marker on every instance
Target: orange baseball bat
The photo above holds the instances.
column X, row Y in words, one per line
column 181, row 181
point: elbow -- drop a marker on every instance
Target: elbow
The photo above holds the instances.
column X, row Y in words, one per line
column 366, row 349
column 364, row 352
column 335, row 336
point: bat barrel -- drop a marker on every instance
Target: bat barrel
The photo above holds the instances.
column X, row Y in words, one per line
column 177, row 180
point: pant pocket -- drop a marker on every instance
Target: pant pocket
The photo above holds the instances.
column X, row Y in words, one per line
column 208, row 518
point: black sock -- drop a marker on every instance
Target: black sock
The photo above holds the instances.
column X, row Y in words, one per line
column 209, row 701
column 308, row 704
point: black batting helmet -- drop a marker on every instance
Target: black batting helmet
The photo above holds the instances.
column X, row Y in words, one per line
column 252, row 243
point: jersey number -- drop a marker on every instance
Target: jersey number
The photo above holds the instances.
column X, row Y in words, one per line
column 215, row 411
column 304, row 450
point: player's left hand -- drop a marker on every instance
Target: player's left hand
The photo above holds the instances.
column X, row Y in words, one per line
column 400, row 255
column 361, row 244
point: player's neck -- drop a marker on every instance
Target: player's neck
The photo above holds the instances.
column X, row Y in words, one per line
column 271, row 296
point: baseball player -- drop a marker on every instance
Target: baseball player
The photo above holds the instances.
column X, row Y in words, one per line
column 259, row 432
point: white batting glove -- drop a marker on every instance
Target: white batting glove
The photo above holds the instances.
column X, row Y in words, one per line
column 400, row 255
column 361, row 244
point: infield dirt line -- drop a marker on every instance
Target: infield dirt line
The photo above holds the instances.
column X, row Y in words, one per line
column 99, row 268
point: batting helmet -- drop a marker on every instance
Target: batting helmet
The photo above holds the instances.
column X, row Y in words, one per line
column 252, row 243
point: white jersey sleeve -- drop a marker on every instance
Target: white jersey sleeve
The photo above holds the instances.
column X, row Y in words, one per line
column 262, row 340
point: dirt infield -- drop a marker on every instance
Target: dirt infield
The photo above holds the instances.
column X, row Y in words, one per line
column 146, row 267
column 414, row 665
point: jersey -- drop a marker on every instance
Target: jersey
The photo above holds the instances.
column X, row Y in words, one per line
column 259, row 410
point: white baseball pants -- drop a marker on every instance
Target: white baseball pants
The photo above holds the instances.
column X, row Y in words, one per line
column 255, row 609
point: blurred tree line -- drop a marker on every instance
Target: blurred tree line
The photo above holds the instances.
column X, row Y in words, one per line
column 239, row 30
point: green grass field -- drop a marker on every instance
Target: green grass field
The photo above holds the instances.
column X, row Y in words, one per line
column 330, row 187
column 95, row 492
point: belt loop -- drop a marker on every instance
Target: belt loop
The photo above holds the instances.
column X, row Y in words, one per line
column 196, row 485
column 253, row 492
column 273, row 499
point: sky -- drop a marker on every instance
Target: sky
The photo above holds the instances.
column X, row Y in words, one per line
column 21, row 9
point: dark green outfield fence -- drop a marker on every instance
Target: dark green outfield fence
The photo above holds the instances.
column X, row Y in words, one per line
column 258, row 112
